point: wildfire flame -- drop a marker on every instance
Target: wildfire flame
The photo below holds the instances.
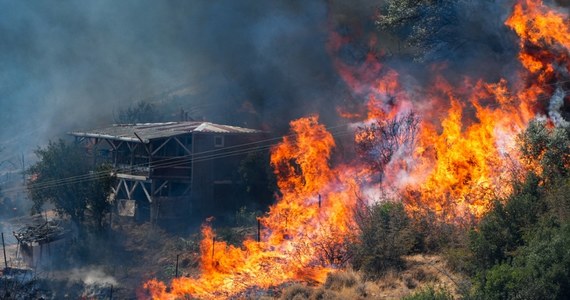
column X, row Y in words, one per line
column 458, row 160
column 315, row 209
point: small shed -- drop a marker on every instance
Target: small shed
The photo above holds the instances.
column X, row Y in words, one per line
column 39, row 242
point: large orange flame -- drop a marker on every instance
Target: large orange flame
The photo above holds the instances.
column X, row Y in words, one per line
column 314, row 211
column 465, row 153
column 458, row 160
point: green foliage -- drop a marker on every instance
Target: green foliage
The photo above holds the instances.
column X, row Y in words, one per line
column 385, row 235
column 541, row 269
column 548, row 147
column 64, row 177
column 558, row 201
column 460, row 260
column 521, row 246
column 430, row 293
column 501, row 231
column 433, row 234
column 424, row 25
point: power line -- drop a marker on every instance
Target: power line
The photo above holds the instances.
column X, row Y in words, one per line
column 207, row 155
column 175, row 161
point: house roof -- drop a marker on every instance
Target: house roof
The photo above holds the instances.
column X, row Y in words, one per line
column 150, row 131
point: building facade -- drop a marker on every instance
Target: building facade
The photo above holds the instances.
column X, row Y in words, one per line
column 171, row 171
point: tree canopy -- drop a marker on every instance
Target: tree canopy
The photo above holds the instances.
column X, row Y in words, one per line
column 64, row 177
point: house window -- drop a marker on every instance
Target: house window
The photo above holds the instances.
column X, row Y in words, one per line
column 218, row 141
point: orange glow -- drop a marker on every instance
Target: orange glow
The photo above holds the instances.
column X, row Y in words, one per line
column 294, row 231
column 459, row 160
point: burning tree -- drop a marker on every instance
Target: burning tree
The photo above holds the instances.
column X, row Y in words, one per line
column 454, row 164
column 378, row 143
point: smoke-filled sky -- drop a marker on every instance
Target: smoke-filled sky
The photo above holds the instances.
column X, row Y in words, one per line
column 73, row 64
column 68, row 64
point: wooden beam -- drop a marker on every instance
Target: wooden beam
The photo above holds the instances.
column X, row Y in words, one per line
column 183, row 146
column 118, row 187
column 161, row 145
column 126, row 186
column 160, row 187
column 111, row 144
column 148, row 197
column 133, row 177
column 143, row 142
column 132, row 146
column 133, row 188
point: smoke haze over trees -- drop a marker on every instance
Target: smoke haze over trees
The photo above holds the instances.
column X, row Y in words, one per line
column 77, row 64
column 74, row 64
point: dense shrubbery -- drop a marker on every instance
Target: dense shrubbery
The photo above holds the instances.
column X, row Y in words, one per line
column 385, row 235
column 520, row 248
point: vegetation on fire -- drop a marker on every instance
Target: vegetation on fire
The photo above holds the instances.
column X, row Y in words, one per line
column 501, row 237
column 520, row 247
column 518, row 250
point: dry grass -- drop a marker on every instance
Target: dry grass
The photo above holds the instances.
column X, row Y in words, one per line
column 421, row 271
column 296, row 292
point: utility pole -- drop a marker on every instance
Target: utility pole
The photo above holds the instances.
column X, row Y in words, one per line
column 23, row 170
column 4, row 249
column 177, row 256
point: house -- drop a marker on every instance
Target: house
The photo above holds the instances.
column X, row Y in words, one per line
column 170, row 171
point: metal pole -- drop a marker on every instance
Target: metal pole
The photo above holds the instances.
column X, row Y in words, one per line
column 4, row 249
column 213, row 248
column 177, row 256
column 319, row 200
column 111, row 294
column 23, row 169
column 258, row 231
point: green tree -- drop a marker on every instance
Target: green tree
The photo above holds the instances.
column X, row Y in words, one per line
column 65, row 178
column 548, row 148
column 521, row 246
column 540, row 270
column 424, row 25
column 385, row 235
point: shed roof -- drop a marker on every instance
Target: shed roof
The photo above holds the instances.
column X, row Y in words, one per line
column 150, row 131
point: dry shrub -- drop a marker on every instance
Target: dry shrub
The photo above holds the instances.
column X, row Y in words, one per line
column 389, row 281
column 296, row 292
column 369, row 290
column 322, row 294
column 410, row 282
column 421, row 275
column 340, row 280
column 349, row 294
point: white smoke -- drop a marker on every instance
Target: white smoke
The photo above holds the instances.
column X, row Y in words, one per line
column 556, row 102
column 94, row 277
